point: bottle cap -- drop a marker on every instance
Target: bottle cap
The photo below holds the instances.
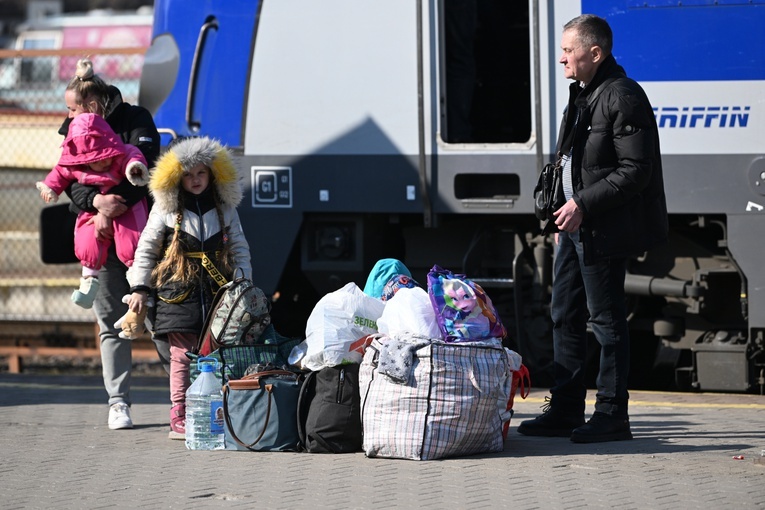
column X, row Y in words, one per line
column 207, row 361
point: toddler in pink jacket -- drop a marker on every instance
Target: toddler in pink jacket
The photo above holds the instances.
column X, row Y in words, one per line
column 93, row 154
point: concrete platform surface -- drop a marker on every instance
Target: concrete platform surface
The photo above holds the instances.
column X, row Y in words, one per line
column 688, row 451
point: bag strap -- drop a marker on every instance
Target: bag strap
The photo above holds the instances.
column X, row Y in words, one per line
column 524, row 381
column 208, row 319
column 246, row 329
column 304, row 402
column 565, row 147
column 209, row 266
column 600, row 89
column 227, row 417
column 211, row 314
column 252, row 381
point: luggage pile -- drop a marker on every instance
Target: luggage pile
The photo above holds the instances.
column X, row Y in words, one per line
column 394, row 371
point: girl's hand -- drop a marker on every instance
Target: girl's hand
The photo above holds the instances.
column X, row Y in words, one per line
column 138, row 301
column 46, row 193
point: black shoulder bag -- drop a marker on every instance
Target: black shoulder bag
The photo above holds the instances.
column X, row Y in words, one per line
column 548, row 194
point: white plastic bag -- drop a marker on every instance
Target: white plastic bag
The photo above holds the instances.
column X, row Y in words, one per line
column 335, row 328
column 409, row 311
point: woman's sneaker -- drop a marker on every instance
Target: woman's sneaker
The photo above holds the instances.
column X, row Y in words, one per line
column 119, row 416
column 178, row 422
column 86, row 294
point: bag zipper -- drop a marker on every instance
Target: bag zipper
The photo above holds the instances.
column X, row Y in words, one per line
column 340, row 385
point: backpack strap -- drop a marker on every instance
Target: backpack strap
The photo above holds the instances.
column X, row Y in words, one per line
column 208, row 319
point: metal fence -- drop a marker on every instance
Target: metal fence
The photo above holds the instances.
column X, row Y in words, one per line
column 35, row 305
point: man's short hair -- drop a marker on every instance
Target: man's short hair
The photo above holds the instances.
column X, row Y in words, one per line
column 592, row 31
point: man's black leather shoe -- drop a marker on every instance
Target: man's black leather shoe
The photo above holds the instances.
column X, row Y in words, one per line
column 602, row 427
column 554, row 422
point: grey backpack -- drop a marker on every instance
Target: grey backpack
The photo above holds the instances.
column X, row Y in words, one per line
column 239, row 314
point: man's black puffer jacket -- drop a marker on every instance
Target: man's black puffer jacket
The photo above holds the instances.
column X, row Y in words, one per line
column 616, row 165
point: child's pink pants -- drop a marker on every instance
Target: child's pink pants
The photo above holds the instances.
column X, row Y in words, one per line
column 127, row 230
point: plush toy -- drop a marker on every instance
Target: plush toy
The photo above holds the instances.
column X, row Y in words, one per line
column 132, row 324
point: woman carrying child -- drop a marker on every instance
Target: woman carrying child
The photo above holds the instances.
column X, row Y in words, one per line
column 92, row 154
column 191, row 246
column 86, row 92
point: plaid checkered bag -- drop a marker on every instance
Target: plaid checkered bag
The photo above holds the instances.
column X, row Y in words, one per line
column 234, row 359
column 453, row 401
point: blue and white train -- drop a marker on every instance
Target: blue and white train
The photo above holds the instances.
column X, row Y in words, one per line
column 344, row 116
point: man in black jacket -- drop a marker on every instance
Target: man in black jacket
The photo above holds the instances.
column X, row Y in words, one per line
column 616, row 208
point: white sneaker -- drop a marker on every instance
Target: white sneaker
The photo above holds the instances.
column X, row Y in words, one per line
column 119, row 416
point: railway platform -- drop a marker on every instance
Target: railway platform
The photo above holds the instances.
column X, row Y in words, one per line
column 689, row 451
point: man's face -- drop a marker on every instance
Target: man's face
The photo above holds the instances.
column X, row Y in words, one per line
column 579, row 63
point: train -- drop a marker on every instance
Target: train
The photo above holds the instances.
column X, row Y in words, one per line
column 416, row 130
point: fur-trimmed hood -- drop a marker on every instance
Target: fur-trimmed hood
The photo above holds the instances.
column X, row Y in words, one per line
column 165, row 184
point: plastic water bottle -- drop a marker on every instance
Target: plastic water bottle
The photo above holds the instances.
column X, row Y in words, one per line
column 204, row 409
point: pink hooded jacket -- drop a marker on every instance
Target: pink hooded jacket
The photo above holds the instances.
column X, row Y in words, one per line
column 91, row 139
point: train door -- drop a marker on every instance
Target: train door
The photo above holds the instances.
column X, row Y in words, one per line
column 197, row 67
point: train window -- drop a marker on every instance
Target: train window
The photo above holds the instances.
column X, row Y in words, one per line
column 486, row 83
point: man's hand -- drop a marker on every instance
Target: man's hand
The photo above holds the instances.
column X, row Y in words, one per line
column 110, row 206
column 569, row 218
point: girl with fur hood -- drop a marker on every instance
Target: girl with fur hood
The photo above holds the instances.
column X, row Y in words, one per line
column 191, row 246
column 92, row 154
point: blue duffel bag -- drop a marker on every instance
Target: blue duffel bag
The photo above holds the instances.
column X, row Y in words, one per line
column 260, row 411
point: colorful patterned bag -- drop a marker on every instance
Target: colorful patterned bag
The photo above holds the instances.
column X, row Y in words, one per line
column 464, row 311
column 451, row 401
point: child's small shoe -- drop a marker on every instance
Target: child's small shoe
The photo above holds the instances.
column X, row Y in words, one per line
column 86, row 294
